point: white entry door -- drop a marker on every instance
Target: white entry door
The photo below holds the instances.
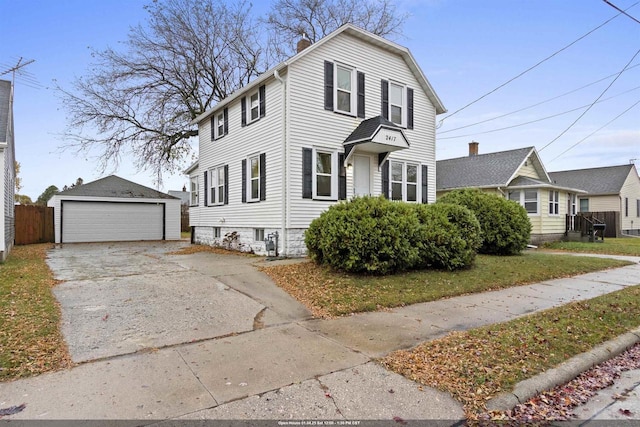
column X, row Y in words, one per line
column 361, row 176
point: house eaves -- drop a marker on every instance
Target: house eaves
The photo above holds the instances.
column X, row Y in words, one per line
column 191, row 168
column 347, row 29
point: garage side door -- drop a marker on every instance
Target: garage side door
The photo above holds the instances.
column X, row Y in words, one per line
column 111, row 222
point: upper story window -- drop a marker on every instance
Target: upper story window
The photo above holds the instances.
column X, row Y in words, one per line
column 404, row 181
column 397, row 103
column 256, row 108
column 527, row 198
column 194, row 191
column 343, row 89
column 220, row 124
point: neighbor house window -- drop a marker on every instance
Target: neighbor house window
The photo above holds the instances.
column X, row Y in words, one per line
column 217, row 186
column 584, row 205
column 572, row 203
column 325, row 175
column 554, row 203
column 638, row 208
column 404, row 183
column 527, row 198
column 626, row 206
column 194, row 191
column 258, row 234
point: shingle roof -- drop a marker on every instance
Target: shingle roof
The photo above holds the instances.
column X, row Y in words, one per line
column 367, row 128
column 604, row 180
column 114, row 186
column 5, row 106
column 483, row 170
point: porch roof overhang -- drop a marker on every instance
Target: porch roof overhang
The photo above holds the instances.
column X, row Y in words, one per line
column 375, row 135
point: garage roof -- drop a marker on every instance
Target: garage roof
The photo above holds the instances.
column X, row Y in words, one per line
column 114, row 186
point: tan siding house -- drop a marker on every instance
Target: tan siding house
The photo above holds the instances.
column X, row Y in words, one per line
column 608, row 189
column 517, row 175
column 350, row 115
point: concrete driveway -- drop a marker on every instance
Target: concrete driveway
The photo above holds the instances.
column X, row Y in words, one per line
column 121, row 298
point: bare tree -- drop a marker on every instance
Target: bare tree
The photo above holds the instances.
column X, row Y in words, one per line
column 290, row 19
column 140, row 101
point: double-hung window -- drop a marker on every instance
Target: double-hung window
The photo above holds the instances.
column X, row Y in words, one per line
column 217, row 186
column 554, row 203
column 344, row 86
column 194, row 191
column 584, row 205
column 527, row 198
column 220, row 124
column 404, row 181
column 325, row 174
column 254, row 179
column 343, row 89
column 396, row 103
column 253, row 106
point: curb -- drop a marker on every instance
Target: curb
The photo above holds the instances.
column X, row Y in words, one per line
column 563, row 373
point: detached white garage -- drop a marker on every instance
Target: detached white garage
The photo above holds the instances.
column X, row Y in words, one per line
column 113, row 209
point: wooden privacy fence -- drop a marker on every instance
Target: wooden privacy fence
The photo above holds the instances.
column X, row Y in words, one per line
column 34, row 224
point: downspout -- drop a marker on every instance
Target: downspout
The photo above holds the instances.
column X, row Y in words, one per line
column 285, row 167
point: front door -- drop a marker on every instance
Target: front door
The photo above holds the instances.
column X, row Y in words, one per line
column 361, row 176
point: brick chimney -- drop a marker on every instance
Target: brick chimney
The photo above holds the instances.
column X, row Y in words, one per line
column 473, row 148
column 303, row 43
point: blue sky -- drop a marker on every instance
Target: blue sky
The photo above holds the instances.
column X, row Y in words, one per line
column 466, row 48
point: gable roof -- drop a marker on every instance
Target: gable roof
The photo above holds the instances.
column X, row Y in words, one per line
column 601, row 181
column 5, row 110
column 114, row 186
column 346, row 29
column 482, row 170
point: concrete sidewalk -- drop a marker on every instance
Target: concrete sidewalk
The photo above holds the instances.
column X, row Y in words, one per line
column 290, row 368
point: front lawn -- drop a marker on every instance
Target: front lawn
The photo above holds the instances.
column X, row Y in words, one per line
column 620, row 246
column 478, row 364
column 328, row 293
column 30, row 338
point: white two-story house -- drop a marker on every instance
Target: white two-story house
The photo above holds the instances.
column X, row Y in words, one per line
column 352, row 114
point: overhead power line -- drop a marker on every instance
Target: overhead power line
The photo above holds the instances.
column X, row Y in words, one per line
column 596, row 131
column 540, row 119
column 534, row 66
column 593, row 103
column 536, row 104
column 620, row 10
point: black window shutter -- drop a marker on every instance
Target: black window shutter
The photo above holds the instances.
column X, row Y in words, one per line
column 213, row 127
column 360, row 95
column 243, row 112
column 226, row 121
column 226, row 184
column 425, row 192
column 307, row 174
column 206, row 188
column 263, row 100
column 410, row 108
column 385, row 179
column 263, row 177
column 244, row 181
column 385, row 99
column 328, row 85
column 342, row 178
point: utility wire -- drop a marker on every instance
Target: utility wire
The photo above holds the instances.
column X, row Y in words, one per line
column 621, row 11
column 597, row 130
column 535, row 105
column 593, row 103
column 542, row 118
column 536, row 65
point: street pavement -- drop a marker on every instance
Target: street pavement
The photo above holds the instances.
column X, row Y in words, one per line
column 286, row 366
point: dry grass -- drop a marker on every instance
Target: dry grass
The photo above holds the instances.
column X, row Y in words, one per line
column 30, row 339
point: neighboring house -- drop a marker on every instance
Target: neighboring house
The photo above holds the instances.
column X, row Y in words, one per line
column 114, row 209
column 349, row 115
column 609, row 189
column 517, row 175
column 7, row 170
column 184, row 196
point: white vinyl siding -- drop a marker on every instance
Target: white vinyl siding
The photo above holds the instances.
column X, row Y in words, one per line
column 631, row 191
column 310, row 125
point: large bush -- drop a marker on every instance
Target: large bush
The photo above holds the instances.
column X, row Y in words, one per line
column 449, row 236
column 377, row 236
column 506, row 228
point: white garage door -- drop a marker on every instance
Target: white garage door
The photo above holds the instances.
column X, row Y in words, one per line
column 111, row 222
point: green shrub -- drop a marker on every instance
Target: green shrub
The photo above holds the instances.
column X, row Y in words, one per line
column 364, row 235
column 376, row 236
column 449, row 236
column 506, row 228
